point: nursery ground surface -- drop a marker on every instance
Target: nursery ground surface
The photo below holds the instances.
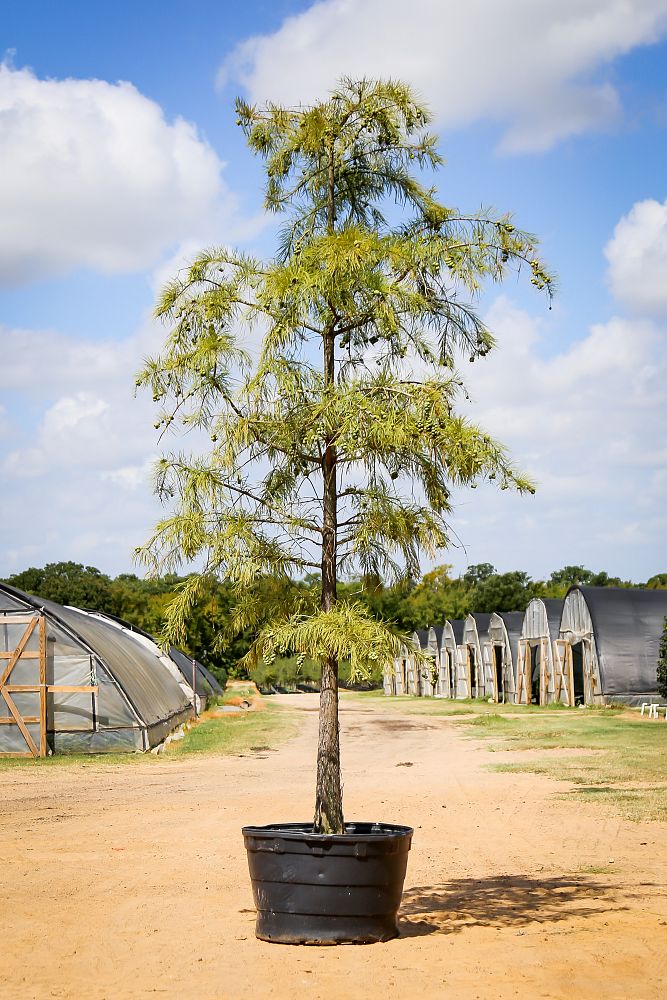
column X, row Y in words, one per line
column 130, row 880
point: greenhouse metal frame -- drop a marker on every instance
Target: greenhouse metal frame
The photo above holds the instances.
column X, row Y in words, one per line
column 71, row 681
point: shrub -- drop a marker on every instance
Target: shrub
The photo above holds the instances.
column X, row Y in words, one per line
column 662, row 663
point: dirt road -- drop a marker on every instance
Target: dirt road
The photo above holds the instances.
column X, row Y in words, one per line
column 131, row 881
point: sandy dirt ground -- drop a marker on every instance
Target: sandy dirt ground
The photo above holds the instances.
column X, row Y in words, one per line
column 132, row 881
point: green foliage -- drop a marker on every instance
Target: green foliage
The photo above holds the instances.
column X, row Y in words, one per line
column 561, row 580
column 435, row 598
column 503, row 592
column 478, row 573
column 345, row 632
column 285, row 672
column 662, row 663
column 219, row 637
column 345, row 463
column 69, row 583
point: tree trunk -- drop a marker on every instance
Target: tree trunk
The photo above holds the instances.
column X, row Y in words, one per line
column 328, row 792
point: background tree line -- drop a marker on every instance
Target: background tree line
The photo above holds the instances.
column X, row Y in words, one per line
column 409, row 605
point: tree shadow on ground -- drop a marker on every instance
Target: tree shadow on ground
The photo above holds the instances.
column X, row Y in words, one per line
column 503, row 901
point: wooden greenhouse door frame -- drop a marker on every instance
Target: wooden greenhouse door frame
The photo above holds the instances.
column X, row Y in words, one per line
column 469, row 671
column 41, row 688
column 523, row 679
column 525, row 670
column 488, row 672
column 545, row 676
column 563, row 669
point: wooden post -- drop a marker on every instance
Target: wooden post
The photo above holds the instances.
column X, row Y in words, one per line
column 38, row 687
column 42, row 686
column 194, row 685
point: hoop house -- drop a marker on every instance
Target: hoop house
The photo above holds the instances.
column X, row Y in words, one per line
column 429, row 668
column 206, row 685
column 72, row 681
column 542, row 659
column 442, row 677
column 500, row 654
column 475, row 676
column 613, row 636
column 450, row 657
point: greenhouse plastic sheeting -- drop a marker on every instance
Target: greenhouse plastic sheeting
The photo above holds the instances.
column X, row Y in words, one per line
column 627, row 625
column 207, row 684
column 150, row 688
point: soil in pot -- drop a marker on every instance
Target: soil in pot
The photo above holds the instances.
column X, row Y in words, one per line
column 327, row 888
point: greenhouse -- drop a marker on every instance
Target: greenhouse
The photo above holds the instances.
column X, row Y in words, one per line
column 613, row 638
column 476, row 681
column 442, row 677
column 500, row 654
column 450, row 658
column 206, row 685
column 404, row 678
column 429, row 672
column 72, row 681
column 542, row 661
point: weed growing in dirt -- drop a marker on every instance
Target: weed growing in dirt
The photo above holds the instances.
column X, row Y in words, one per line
column 493, row 719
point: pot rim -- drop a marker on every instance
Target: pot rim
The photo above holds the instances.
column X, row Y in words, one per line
column 304, row 831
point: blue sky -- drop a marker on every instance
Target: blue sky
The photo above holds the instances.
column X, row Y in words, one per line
column 555, row 112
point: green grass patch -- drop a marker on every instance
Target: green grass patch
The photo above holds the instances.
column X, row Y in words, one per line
column 73, row 760
column 413, row 705
column 408, row 705
column 596, row 869
column 245, row 732
column 625, row 766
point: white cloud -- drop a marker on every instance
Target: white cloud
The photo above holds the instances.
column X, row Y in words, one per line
column 131, row 477
column 46, row 363
column 81, row 432
column 524, row 64
column 588, row 425
column 76, row 460
column 94, row 176
column 637, row 255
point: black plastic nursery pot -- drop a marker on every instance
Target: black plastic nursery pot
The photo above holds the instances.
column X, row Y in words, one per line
column 327, row 888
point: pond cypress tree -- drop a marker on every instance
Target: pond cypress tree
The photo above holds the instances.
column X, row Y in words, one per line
column 335, row 446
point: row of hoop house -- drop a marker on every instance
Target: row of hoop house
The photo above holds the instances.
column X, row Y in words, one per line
column 84, row 682
column 598, row 645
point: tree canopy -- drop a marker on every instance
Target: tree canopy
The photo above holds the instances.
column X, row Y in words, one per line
column 337, row 446
column 69, row 583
